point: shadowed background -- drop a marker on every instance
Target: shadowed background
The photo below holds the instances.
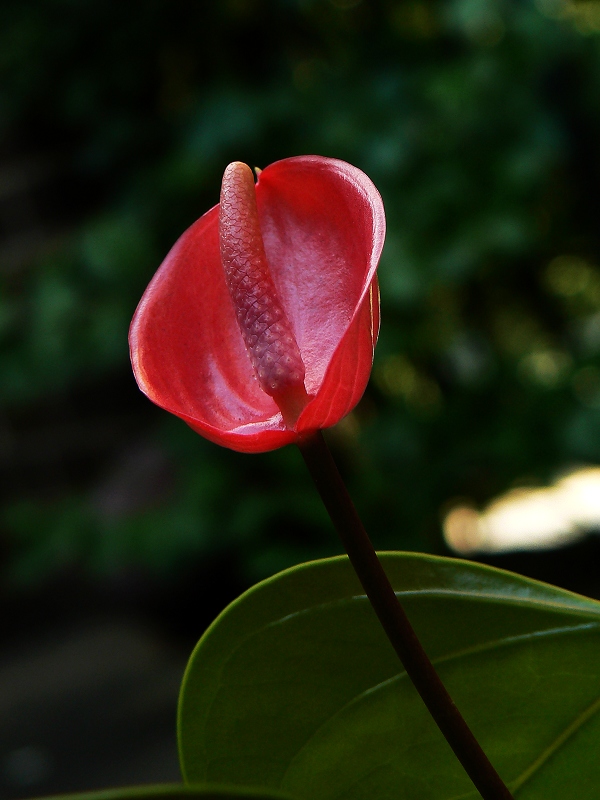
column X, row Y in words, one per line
column 121, row 531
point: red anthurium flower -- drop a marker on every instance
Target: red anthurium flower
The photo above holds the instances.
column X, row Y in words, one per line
column 260, row 324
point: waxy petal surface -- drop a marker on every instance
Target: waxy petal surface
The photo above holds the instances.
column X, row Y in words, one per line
column 323, row 226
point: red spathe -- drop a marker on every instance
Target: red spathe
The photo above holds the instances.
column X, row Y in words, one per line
column 323, row 227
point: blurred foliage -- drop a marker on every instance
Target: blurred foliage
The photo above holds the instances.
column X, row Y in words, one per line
column 479, row 121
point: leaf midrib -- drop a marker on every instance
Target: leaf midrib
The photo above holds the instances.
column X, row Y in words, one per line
column 505, row 641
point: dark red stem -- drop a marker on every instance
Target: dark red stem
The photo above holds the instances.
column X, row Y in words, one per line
column 396, row 624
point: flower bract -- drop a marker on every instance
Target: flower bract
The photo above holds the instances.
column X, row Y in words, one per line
column 200, row 337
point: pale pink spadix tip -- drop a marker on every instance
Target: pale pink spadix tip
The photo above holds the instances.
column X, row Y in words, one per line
column 265, row 328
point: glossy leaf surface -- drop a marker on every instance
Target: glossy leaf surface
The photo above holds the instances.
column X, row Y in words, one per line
column 296, row 687
column 176, row 791
column 323, row 225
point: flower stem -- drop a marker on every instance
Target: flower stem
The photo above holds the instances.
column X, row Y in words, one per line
column 393, row 618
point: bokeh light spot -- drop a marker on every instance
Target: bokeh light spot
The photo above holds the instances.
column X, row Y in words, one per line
column 528, row 519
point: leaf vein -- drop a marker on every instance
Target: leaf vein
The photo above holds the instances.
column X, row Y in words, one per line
column 579, row 721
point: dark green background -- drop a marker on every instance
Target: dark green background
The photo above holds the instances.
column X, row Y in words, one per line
column 123, row 533
column 479, row 121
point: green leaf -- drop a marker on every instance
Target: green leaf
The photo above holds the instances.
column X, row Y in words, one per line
column 177, row 791
column 296, row 687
